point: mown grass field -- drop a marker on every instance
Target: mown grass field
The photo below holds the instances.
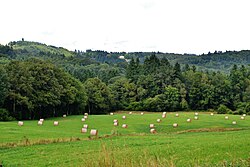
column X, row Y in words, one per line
column 209, row 141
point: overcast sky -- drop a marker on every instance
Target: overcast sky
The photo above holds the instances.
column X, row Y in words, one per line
column 179, row 26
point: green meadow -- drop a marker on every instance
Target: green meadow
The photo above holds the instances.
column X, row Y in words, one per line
column 208, row 141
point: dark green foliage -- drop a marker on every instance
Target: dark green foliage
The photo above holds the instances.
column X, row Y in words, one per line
column 39, row 80
column 5, row 116
column 223, row 109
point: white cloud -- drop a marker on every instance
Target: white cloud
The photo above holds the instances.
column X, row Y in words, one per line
column 180, row 26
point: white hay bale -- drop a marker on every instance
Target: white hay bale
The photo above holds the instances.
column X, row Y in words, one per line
column 164, row 113
column 116, row 123
column 86, row 114
column 196, row 118
column 142, row 113
column 175, row 125
column 124, row 125
column 226, row 117
column 177, row 115
column 84, row 130
column 41, row 120
column 123, row 117
column 158, row 120
column 189, row 120
column 64, row 116
column 234, row 122
column 85, row 126
column 242, row 118
column 152, row 131
column 40, row 123
column 93, row 132
column 196, row 113
column 20, row 123
column 151, row 125
column 56, row 123
column 244, row 115
column 163, row 116
column 130, row 113
column 111, row 113
column 212, row 114
column 115, row 120
column 83, row 119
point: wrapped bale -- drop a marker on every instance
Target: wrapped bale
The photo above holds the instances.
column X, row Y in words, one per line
column 56, row 123
column 93, row 132
column 151, row 125
column 124, row 125
column 39, row 123
column 175, row 125
column 20, row 123
column 84, row 130
column 152, row 131
column 85, row 126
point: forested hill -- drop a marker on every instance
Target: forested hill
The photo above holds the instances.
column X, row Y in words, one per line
column 217, row 61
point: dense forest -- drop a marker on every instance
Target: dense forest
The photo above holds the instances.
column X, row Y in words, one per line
column 41, row 81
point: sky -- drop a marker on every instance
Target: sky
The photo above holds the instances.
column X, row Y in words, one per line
column 173, row 26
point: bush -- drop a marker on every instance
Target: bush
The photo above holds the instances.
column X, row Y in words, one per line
column 223, row 109
column 5, row 116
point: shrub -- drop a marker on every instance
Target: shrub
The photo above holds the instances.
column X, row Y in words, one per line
column 223, row 109
column 5, row 116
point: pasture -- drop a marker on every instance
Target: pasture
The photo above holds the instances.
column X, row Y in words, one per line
column 207, row 141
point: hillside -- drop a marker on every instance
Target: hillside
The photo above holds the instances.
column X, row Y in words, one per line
column 218, row 61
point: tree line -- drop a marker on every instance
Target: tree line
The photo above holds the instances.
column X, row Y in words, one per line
column 33, row 88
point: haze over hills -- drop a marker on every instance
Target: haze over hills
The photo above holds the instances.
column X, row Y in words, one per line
column 218, row 60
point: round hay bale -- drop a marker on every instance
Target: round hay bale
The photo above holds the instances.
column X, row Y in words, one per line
column 244, row 115
column 152, row 131
column 85, row 126
column 86, row 114
column 151, row 125
column 41, row 120
column 93, row 132
column 130, row 113
column 242, row 118
column 39, row 123
column 83, row 119
column 175, row 125
column 226, row 117
column 234, row 122
column 56, row 123
column 20, row 123
column 124, row 125
column 116, row 123
column 189, row 120
column 212, row 114
column 123, row 117
column 64, row 116
column 84, row 130
column 177, row 115
column 111, row 113
column 196, row 118
column 163, row 116
column 142, row 113
column 164, row 113
column 158, row 120
column 196, row 113
column 115, row 120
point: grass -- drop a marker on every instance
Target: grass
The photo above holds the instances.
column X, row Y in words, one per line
column 209, row 141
